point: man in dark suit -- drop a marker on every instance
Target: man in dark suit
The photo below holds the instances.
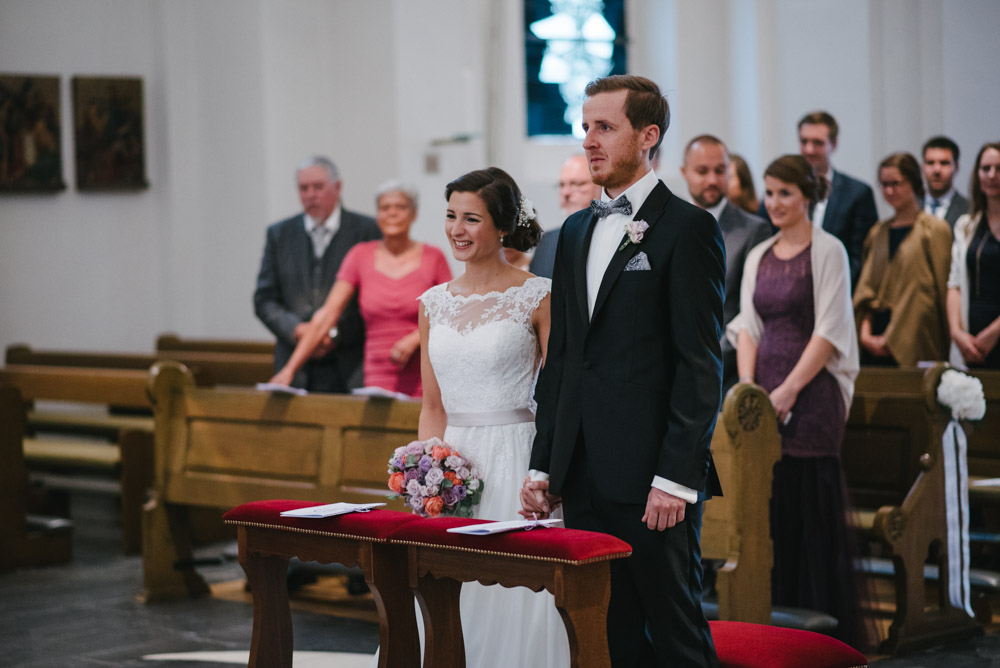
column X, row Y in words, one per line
column 301, row 259
column 630, row 389
column 940, row 166
column 575, row 192
column 849, row 212
column 706, row 170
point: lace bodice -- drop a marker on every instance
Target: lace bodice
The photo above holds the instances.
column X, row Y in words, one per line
column 483, row 347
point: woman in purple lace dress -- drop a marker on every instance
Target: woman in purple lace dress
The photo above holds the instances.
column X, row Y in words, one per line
column 795, row 337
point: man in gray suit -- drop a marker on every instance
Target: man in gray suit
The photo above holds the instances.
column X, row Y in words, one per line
column 576, row 190
column 301, row 259
column 706, row 170
column 940, row 166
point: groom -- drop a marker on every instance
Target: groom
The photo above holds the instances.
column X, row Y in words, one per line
column 630, row 390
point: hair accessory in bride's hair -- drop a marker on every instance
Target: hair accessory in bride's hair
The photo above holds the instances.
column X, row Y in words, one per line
column 526, row 212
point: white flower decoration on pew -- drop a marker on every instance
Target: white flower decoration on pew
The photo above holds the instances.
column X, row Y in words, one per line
column 962, row 394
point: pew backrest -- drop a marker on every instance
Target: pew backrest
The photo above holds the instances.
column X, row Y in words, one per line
column 736, row 526
column 172, row 343
column 225, row 446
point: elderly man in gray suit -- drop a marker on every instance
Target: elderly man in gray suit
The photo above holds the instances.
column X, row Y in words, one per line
column 706, row 170
column 301, row 258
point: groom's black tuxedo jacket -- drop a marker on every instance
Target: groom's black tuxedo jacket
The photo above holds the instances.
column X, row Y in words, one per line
column 641, row 379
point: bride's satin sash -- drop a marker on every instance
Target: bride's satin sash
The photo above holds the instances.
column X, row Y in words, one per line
column 491, row 418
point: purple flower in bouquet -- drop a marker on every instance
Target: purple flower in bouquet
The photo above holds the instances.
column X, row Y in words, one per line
column 460, row 492
column 413, row 488
column 414, row 448
column 434, row 476
column 411, row 474
column 454, row 462
column 425, row 463
column 450, row 496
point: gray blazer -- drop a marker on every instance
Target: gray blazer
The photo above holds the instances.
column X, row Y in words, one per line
column 741, row 231
column 544, row 259
column 292, row 285
column 959, row 207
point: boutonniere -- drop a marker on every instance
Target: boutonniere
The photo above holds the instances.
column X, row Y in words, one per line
column 634, row 231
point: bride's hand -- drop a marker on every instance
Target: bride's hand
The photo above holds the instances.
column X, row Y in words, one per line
column 536, row 502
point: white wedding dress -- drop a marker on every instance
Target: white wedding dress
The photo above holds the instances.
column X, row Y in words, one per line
column 485, row 356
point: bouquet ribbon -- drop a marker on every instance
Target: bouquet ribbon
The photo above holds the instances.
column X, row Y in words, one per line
column 956, row 494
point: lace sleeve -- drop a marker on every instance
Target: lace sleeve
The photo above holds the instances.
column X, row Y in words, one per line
column 433, row 301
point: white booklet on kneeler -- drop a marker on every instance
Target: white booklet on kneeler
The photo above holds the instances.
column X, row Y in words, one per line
column 500, row 527
column 331, row 509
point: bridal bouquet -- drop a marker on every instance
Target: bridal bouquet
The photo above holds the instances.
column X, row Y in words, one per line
column 962, row 394
column 434, row 479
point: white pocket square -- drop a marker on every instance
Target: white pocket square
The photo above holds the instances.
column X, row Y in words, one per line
column 639, row 262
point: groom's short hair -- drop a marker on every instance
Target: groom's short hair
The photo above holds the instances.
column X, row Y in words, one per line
column 644, row 103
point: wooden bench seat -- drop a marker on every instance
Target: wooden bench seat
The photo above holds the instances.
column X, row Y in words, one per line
column 130, row 456
column 222, row 368
column 166, row 343
column 25, row 539
column 220, row 447
column 96, row 423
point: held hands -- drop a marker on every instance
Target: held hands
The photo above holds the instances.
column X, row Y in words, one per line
column 536, row 500
column 876, row 345
column 663, row 510
column 986, row 340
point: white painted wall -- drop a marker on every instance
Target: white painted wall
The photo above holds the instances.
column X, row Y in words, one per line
column 238, row 91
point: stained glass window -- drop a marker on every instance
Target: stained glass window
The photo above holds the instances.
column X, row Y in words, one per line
column 567, row 44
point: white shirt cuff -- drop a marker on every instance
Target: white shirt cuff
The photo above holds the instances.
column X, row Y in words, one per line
column 672, row 488
column 535, row 476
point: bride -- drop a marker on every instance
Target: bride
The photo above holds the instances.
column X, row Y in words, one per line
column 482, row 339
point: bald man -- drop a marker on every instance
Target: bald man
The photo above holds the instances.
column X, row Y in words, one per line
column 706, row 170
column 576, row 190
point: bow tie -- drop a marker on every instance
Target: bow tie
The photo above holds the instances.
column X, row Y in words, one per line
column 604, row 209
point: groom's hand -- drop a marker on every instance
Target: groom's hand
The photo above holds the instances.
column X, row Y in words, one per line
column 536, row 500
column 663, row 510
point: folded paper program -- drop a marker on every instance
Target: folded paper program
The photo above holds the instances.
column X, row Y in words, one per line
column 331, row 509
column 490, row 528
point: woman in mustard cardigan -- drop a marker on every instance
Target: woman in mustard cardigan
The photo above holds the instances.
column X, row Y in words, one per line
column 900, row 299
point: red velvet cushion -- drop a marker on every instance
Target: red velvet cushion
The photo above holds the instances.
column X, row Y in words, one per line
column 742, row 645
column 374, row 525
column 562, row 545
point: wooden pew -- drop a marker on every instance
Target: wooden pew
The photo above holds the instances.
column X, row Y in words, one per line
column 23, row 542
column 223, row 368
column 883, row 442
column 167, row 343
column 736, row 526
column 130, row 456
column 916, row 528
column 222, row 447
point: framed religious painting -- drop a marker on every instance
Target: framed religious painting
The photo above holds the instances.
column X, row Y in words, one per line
column 109, row 133
column 30, row 147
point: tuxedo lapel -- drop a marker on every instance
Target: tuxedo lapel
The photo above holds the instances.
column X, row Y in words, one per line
column 582, row 252
column 651, row 211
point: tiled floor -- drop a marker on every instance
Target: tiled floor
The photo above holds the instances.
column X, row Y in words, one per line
column 86, row 614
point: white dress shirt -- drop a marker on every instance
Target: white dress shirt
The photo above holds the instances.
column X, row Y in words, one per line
column 330, row 225
column 716, row 210
column 943, row 203
column 819, row 211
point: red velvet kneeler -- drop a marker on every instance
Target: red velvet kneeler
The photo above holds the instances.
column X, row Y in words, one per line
column 743, row 645
column 570, row 564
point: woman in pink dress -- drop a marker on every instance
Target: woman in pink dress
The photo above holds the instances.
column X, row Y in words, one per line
column 388, row 276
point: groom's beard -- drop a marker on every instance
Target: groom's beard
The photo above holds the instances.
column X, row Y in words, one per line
column 623, row 172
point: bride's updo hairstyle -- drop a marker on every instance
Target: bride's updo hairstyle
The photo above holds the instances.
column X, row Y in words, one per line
column 796, row 170
column 511, row 213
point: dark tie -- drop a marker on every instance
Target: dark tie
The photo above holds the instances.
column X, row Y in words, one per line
column 605, row 209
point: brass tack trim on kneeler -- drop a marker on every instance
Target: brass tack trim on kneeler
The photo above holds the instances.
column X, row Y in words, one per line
column 515, row 555
column 313, row 532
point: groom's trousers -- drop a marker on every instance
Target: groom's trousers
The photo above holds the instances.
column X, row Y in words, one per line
column 655, row 616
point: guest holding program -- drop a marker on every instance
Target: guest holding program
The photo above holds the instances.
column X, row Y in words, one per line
column 974, row 283
column 388, row 276
column 899, row 302
column 795, row 337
